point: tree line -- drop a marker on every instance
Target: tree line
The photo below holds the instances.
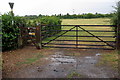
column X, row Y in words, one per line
column 75, row 16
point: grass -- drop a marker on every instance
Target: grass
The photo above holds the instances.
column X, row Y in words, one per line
column 110, row 59
column 96, row 21
column 30, row 60
column 73, row 74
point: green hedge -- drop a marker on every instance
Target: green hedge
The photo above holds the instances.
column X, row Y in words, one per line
column 47, row 20
column 10, row 31
column 51, row 21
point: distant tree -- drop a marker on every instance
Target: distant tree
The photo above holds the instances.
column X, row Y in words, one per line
column 40, row 15
column 90, row 15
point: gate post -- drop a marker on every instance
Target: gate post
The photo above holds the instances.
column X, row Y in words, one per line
column 118, row 47
column 21, row 36
column 38, row 37
column 20, row 39
column 76, row 36
column 118, row 38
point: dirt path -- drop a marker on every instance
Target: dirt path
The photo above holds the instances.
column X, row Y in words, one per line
column 64, row 63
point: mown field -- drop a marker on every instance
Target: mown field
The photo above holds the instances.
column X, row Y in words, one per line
column 96, row 21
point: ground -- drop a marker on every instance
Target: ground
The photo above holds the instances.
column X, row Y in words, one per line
column 56, row 63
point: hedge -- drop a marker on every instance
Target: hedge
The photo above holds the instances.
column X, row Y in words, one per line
column 116, row 18
column 51, row 21
column 47, row 20
column 10, row 31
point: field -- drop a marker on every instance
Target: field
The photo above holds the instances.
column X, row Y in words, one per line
column 96, row 21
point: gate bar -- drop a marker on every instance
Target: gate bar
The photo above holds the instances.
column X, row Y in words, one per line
column 82, row 30
column 85, row 41
column 95, row 36
column 59, row 36
column 84, row 25
column 79, row 36
column 79, row 48
column 75, row 44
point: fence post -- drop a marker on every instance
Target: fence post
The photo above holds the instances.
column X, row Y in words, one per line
column 38, row 37
column 118, row 38
column 76, row 36
column 20, row 38
column 118, row 47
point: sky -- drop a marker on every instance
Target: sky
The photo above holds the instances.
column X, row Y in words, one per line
column 49, row 7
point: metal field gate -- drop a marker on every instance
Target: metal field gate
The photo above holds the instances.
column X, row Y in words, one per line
column 80, row 37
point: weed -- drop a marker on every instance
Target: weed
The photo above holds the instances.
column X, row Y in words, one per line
column 73, row 74
column 110, row 59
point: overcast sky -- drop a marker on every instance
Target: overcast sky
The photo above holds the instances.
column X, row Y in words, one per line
column 49, row 7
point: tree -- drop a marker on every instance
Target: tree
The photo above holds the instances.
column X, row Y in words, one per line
column 116, row 17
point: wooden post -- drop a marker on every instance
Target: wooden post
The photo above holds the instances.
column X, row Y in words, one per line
column 118, row 48
column 25, row 37
column 38, row 37
column 118, row 38
column 76, row 37
column 20, row 39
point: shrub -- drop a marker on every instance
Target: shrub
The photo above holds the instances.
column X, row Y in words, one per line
column 10, row 31
column 48, row 29
column 47, row 20
column 51, row 21
column 116, row 18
